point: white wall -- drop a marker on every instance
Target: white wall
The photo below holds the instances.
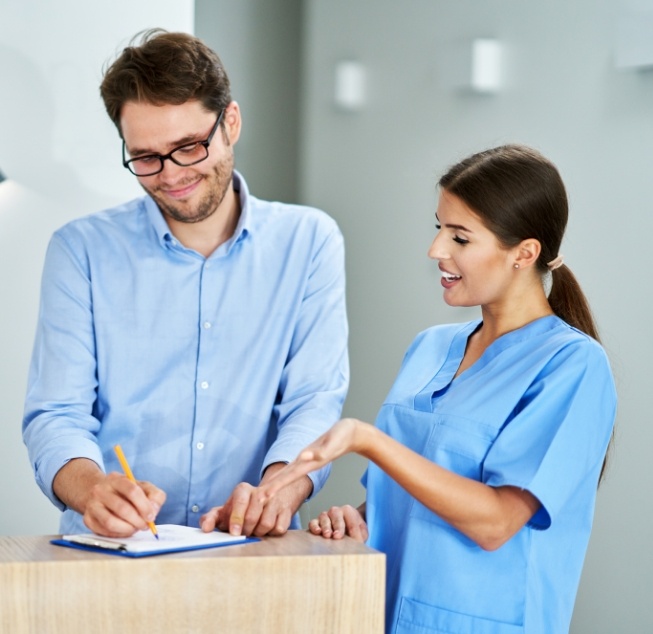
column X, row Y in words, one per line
column 375, row 172
column 63, row 155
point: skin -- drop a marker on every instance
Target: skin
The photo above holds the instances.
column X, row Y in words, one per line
column 481, row 272
column 202, row 210
column 248, row 512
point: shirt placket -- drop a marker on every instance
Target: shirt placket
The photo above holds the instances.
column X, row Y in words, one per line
column 204, row 393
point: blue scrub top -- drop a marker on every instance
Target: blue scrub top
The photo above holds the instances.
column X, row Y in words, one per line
column 536, row 411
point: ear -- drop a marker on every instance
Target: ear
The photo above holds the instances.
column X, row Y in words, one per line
column 527, row 252
column 232, row 122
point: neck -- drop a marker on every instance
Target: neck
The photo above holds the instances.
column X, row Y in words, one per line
column 523, row 305
column 501, row 319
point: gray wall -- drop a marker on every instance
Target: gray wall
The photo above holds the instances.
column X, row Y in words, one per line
column 375, row 170
column 259, row 42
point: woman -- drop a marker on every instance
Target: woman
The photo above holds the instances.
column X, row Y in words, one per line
column 486, row 454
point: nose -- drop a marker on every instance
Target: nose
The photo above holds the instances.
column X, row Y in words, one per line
column 170, row 171
column 436, row 251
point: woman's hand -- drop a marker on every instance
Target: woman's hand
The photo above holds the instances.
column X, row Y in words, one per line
column 339, row 521
column 345, row 436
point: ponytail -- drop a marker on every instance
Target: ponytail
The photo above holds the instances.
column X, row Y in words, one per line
column 568, row 302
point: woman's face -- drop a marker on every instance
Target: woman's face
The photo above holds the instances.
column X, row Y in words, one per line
column 476, row 269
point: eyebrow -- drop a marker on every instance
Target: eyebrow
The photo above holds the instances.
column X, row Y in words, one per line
column 452, row 226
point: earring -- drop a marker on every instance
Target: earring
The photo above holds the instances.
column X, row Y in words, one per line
column 515, row 265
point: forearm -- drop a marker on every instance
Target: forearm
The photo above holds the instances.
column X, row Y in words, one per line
column 487, row 515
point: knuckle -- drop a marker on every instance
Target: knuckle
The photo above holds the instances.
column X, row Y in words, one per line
column 267, row 523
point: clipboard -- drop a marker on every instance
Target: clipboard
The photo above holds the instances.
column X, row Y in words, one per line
column 172, row 539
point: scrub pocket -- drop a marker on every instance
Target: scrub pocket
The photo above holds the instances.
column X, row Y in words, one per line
column 416, row 617
column 460, row 444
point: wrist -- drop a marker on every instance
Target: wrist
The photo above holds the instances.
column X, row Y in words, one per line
column 74, row 482
column 364, row 434
column 302, row 488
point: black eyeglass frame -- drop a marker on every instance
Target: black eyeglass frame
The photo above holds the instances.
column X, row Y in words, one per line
column 164, row 157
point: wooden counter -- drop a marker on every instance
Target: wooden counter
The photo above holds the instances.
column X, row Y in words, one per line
column 295, row 583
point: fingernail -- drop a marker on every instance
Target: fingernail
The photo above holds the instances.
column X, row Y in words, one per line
column 234, row 529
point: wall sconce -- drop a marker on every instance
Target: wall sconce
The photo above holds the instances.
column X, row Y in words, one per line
column 349, row 91
column 486, row 63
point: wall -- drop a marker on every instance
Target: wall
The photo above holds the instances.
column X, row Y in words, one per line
column 259, row 43
column 375, row 171
column 62, row 155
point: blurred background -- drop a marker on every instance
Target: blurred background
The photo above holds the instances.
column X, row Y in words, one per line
column 356, row 107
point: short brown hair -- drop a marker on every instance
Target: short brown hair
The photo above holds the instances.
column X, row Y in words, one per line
column 160, row 67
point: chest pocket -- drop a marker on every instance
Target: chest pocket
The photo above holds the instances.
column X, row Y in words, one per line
column 459, row 444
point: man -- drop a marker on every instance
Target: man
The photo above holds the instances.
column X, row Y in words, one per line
column 200, row 328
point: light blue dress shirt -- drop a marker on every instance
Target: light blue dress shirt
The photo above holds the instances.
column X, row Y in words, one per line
column 536, row 411
column 205, row 370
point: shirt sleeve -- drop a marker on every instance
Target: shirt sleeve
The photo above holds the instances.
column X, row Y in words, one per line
column 559, row 434
column 315, row 378
column 58, row 423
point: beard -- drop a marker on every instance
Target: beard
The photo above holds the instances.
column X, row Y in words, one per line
column 218, row 181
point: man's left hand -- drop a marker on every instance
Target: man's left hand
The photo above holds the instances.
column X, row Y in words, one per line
column 246, row 512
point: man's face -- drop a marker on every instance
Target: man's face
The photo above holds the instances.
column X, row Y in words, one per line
column 184, row 194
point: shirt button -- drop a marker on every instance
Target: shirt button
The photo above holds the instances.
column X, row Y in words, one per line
column 200, row 445
column 207, row 324
column 195, row 508
column 204, row 385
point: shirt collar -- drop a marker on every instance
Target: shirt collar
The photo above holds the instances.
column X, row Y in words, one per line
column 243, row 227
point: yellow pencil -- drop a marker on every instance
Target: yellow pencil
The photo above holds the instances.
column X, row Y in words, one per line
column 130, row 475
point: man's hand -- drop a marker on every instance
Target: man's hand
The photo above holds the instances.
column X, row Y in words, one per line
column 347, row 435
column 246, row 512
column 112, row 505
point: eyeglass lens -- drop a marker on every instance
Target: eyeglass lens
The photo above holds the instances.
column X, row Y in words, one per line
column 183, row 156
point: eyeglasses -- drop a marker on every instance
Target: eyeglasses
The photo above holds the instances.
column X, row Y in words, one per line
column 184, row 155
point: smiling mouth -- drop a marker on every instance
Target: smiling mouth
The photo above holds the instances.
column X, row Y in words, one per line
column 450, row 277
column 181, row 191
